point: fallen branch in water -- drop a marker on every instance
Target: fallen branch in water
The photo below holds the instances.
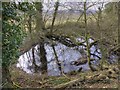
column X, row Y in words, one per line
column 80, row 61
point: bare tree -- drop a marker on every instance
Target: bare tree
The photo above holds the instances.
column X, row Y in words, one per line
column 103, row 51
column 87, row 37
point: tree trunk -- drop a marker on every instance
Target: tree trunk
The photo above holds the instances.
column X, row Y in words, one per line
column 6, row 77
column 43, row 58
column 86, row 35
column 118, row 51
column 54, row 16
column 119, row 23
column 101, row 37
column 39, row 17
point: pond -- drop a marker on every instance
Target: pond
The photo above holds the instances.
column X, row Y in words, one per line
column 65, row 55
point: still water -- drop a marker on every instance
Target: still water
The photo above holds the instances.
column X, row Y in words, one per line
column 65, row 55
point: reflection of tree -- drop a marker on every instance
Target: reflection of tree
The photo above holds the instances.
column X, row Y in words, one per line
column 51, row 35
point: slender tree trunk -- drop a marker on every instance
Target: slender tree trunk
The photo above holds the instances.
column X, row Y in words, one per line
column 86, row 35
column 54, row 16
column 79, row 17
column 119, row 36
column 51, row 31
column 119, row 22
column 101, row 37
column 43, row 58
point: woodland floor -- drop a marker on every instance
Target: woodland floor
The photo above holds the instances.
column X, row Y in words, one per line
column 99, row 79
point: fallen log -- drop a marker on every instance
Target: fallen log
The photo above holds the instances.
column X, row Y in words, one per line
column 64, row 40
column 68, row 84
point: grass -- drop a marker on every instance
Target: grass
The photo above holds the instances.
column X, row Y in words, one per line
column 24, row 80
column 28, row 80
column 56, row 81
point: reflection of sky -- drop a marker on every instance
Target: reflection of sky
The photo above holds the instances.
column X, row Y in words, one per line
column 65, row 55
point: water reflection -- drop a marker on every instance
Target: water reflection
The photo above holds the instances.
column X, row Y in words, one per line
column 65, row 54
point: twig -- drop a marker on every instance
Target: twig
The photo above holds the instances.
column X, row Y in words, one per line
column 16, row 85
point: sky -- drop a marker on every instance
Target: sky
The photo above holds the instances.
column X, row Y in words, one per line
column 82, row 0
column 64, row 0
column 95, row 7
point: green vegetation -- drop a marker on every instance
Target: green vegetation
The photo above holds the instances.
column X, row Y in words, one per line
column 26, row 24
column 12, row 37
